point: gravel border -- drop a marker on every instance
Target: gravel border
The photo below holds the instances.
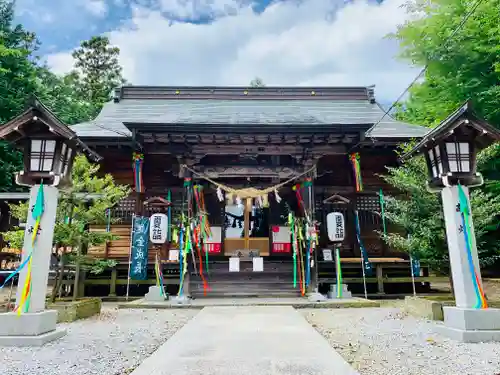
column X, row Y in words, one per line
column 385, row 341
column 113, row 343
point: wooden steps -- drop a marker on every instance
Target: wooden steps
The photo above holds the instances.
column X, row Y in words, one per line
column 275, row 281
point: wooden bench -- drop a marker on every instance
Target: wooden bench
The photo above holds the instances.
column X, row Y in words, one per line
column 383, row 268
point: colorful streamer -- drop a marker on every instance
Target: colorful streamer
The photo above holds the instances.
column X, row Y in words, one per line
column 339, row 273
column 169, row 215
column 108, row 220
column 367, row 266
column 159, row 275
column 36, row 213
column 138, row 160
column 415, row 265
column 465, row 212
column 356, row 167
column 382, row 210
column 291, row 223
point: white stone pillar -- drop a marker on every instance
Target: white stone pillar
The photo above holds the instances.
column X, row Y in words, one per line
column 42, row 251
column 463, row 277
column 36, row 326
column 467, row 321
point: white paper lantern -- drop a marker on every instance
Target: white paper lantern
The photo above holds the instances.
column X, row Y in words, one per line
column 158, row 228
column 335, row 226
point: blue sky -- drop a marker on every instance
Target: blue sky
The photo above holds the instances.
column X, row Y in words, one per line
column 228, row 42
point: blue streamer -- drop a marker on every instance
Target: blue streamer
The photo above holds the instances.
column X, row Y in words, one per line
column 471, row 264
column 16, row 271
column 366, row 262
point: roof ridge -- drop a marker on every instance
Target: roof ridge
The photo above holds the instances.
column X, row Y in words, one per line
column 365, row 93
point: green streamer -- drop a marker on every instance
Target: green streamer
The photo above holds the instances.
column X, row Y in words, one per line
column 382, row 211
column 204, row 236
column 291, row 222
column 339, row 273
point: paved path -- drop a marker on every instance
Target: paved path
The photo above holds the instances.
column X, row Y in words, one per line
column 246, row 340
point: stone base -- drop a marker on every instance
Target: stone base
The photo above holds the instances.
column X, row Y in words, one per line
column 39, row 340
column 181, row 300
column 30, row 329
column 155, row 295
column 316, row 297
column 471, row 325
column 332, row 294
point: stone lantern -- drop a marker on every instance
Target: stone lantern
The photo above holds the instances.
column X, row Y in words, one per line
column 49, row 148
column 450, row 151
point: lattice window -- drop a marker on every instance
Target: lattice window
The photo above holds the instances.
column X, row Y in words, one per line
column 368, row 203
column 124, row 209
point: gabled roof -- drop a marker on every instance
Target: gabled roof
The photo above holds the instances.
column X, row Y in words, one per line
column 463, row 116
column 240, row 106
column 15, row 129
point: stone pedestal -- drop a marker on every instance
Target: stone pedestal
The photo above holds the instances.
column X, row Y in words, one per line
column 155, row 294
column 471, row 325
column 37, row 326
column 30, row 329
column 333, row 292
column 315, row 296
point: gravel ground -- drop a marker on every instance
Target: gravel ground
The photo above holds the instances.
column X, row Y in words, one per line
column 113, row 343
column 384, row 341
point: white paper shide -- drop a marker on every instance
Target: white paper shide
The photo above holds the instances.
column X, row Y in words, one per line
column 158, row 228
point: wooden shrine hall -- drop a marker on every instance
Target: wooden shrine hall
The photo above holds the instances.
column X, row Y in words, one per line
column 250, row 157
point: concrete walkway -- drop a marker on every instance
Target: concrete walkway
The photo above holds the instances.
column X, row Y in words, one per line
column 246, row 340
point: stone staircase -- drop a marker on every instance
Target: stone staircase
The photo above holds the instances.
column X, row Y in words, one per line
column 275, row 281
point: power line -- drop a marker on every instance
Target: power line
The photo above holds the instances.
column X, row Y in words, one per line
column 424, row 69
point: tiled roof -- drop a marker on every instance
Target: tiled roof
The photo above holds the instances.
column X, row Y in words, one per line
column 240, row 106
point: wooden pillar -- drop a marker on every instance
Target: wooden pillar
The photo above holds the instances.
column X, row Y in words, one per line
column 308, row 197
column 112, row 288
column 380, row 278
column 81, row 284
column 139, row 204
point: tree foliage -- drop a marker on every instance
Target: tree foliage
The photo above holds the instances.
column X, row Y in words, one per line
column 76, row 212
column 98, row 69
column 463, row 63
column 75, row 97
column 257, row 82
column 418, row 215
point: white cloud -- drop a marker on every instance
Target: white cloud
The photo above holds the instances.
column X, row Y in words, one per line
column 290, row 43
column 195, row 9
column 98, row 8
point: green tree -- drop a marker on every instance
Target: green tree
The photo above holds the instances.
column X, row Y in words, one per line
column 99, row 70
column 62, row 95
column 461, row 65
column 83, row 204
column 417, row 213
column 17, row 63
column 257, row 82
column 17, row 82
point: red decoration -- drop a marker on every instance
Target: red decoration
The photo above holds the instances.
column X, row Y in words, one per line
column 213, row 248
column 282, row 247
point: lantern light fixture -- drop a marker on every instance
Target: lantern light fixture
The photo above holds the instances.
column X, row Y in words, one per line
column 451, row 148
column 48, row 145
